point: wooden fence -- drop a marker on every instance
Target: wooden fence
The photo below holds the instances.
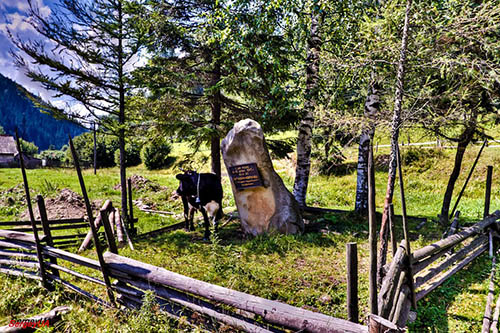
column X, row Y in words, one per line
column 56, row 228
column 126, row 281
column 431, row 265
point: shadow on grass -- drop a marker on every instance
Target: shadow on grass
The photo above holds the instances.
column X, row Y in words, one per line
column 322, row 230
column 434, row 311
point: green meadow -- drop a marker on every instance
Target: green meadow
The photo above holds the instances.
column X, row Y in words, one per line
column 303, row 270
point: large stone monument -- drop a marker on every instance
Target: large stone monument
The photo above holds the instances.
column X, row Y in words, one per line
column 264, row 203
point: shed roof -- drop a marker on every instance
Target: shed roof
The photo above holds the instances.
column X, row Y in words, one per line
column 7, row 145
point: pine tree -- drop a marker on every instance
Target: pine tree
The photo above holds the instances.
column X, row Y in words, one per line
column 214, row 63
column 89, row 49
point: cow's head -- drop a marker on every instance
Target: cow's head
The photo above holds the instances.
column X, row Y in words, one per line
column 187, row 183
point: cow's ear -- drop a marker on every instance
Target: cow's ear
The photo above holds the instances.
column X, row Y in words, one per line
column 181, row 176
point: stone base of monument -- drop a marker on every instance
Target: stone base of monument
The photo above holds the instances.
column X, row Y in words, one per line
column 264, row 203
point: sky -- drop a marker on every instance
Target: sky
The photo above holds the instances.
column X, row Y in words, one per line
column 13, row 16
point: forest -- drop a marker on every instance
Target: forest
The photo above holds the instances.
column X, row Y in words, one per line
column 18, row 111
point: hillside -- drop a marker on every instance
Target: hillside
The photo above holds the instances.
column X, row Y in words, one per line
column 16, row 110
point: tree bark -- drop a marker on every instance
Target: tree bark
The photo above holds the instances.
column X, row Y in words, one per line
column 448, row 194
column 396, row 124
column 307, row 123
column 121, row 118
column 372, row 106
column 216, row 113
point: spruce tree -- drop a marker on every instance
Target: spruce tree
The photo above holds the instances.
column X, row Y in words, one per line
column 84, row 53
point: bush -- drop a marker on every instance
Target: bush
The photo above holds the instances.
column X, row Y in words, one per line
column 155, row 155
column 334, row 163
column 421, row 159
column 132, row 155
column 53, row 157
column 84, row 145
column 29, row 148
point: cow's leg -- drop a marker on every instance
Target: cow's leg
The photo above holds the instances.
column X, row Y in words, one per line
column 186, row 212
column 206, row 223
column 218, row 216
column 215, row 222
column 191, row 217
column 212, row 208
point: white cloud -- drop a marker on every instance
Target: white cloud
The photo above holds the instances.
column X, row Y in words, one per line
column 20, row 5
column 16, row 23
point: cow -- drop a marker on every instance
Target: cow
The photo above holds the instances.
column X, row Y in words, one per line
column 203, row 192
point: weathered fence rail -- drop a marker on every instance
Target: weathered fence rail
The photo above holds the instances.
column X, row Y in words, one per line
column 432, row 265
column 174, row 292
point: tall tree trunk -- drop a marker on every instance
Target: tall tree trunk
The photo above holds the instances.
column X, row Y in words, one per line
column 466, row 138
column 216, row 111
column 372, row 106
column 307, row 123
column 121, row 119
column 396, row 124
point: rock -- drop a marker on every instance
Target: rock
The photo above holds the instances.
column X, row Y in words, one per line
column 267, row 208
column 325, row 299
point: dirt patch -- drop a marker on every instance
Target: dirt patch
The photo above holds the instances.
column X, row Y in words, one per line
column 140, row 183
column 67, row 204
column 14, row 195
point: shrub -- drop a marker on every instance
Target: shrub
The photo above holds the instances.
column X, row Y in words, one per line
column 333, row 164
column 132, row 155
column 84, row 145
column 56, row 156
column 421, row 158
column 155, row 155
column 29, row 148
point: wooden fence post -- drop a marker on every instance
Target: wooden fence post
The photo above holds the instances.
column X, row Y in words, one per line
column 46, row 229
column 394, row 242
column 411, row 281
column 352, row 282
column 39, row 253
column 102, row 263
column 108, row 231
column 487, row 196
column 487, row 311
column 372, row 221
column 133, row 230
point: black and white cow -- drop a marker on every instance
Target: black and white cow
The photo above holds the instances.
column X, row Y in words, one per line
column 203, row 192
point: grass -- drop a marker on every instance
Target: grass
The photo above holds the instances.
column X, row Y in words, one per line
column 302, row 270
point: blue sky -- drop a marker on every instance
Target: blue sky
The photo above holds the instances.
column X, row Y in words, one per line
column 13, row 14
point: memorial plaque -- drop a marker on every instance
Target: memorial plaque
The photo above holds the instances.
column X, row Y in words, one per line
column 245, row 176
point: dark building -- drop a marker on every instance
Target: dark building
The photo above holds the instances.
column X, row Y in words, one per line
column 9, row 157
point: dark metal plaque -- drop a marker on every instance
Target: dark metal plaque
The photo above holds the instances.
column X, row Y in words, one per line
column 245, row 176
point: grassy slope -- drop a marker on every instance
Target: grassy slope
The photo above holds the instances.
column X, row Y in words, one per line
column 298, row 270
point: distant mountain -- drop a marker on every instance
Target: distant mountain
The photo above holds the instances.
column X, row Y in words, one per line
column 17, row 110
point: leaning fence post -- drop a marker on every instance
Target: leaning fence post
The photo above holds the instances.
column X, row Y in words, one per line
column 405, row 231
column 108, row 231
column 487, row 196
column 352, row 282
column 39, row 253
column 468, row 178
column 46, row 229
column 102, row 263
column 394, row 242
